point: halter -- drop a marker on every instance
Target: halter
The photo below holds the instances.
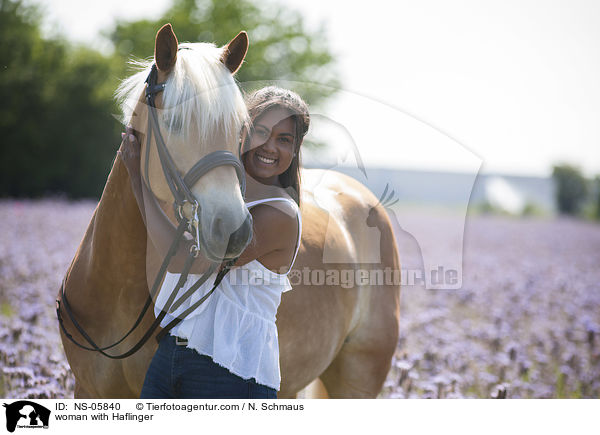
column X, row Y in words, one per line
column 187, row 210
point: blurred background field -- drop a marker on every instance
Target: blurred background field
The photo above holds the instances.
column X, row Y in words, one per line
column 526, row 321
column 525, row 324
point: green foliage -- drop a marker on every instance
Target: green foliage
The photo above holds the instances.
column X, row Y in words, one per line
column 486, row 208
column 56, row 118
column 280, row 46
column 532, row 209
column 571, row 188
column 596, row 197
column 58, row 132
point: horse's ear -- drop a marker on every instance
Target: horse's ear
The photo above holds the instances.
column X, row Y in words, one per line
column 234, row 52
column 165, row 48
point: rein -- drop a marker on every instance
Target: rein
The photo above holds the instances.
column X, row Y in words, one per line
column 187, row 212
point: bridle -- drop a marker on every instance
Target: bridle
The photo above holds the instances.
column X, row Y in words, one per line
column 185, row 203
column 186, row 209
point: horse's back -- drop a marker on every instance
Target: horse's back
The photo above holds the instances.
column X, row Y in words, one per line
column 344, row 326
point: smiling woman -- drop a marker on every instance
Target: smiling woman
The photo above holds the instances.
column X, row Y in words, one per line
column 280, row 120
column 228, row 347
column 272, row 146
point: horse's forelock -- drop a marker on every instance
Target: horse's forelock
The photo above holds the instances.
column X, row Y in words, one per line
column 200, row 92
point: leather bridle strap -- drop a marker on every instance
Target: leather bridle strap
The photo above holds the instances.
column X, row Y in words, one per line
column 195, row 305
column 213, row 160
column 180, row 187
column 153, row 291
column 155, row 323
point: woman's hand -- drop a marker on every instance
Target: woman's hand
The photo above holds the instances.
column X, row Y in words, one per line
column 130, row 156
column 130, row 153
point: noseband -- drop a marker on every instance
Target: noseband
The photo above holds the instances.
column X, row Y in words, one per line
column 187, row 210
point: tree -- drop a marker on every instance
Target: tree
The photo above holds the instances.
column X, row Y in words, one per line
column 58, row 130
column 280, row 46
column 571, row 188
column 58, row 135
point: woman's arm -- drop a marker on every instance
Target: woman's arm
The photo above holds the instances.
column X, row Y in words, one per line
column 274, row 236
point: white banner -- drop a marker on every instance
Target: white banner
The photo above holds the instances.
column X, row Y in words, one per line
column 299, row 416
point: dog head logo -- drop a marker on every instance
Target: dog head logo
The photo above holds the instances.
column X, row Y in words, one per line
column 26, row 414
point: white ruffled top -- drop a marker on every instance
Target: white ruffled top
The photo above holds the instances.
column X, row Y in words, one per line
column 235, row 326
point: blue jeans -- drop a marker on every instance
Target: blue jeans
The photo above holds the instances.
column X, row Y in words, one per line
column 177, row 372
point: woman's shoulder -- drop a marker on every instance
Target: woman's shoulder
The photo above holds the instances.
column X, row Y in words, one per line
column 278, row 214
column 258, row 193
column 277, row 230
column 276, row 198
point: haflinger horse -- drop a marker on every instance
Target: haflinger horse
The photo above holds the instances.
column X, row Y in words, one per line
column 337, row 339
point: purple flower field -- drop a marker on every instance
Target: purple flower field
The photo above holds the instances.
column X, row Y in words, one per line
column 526, row 323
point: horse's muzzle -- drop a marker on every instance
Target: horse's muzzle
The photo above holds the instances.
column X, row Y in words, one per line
column 224, row 244
column 239, row 239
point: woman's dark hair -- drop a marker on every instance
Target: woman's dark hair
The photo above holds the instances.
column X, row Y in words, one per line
column 272, row 97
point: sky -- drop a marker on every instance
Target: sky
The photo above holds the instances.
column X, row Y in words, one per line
column 508, row 87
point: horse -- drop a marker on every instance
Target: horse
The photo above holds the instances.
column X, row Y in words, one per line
column 337, row 340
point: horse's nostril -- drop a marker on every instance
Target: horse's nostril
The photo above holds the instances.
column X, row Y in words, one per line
column 224, row 243
column 240, row 238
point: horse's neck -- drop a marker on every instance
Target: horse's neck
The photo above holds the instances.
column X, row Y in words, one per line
column 106, row 282
column 118, row 231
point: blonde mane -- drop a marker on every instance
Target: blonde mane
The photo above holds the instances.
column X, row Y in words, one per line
column 199, row 90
